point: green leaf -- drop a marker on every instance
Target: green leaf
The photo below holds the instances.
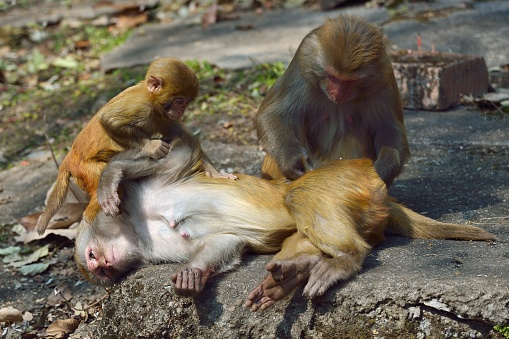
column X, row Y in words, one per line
column 67, row 62
column 9, row 250
column 33, row 269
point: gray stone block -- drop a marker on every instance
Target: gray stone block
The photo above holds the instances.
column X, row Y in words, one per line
column 436, row 81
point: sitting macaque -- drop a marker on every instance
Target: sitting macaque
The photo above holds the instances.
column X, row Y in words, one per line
column 323, row 224
column 151, row 108
column 338, row 99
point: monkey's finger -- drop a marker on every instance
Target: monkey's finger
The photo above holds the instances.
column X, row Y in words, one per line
column 185, row 281
column 178, row 280
column 254, row 296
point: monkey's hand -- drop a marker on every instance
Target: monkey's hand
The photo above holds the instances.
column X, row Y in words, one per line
column 107, row 196
column 217, row 174
column 296, row 165
column 189, row 282
column 212, row 172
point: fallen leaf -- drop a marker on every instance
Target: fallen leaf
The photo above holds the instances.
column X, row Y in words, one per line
column 228, row 124
column 59, row 294
column 60, row 328
column 210, row 16
column 82, row 44
column 31, row 236
column 12, row 258
column 9, row 250
column 33, row 269
column 130, row 21
column 36, row 255
column 68, row 214
column 67, row 62
column 10, row 314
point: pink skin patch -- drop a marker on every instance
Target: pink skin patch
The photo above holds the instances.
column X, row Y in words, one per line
column 185, row 234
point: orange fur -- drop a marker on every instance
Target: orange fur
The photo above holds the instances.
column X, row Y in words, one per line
column 127, row 121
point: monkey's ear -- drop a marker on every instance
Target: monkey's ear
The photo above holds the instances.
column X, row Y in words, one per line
column 154, row 83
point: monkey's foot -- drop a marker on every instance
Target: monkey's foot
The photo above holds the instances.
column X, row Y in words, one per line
column 189, row 282
column 284, row 277
column 162, row 151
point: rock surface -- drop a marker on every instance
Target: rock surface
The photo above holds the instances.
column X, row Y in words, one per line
column 408, row 288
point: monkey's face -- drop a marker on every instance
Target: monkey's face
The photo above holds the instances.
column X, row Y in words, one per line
column 176, row 107
column 104, row 252
column 109, row 261
column 340, row 89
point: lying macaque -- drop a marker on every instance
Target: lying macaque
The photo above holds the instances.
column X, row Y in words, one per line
column 153, row 107
column 323, row 224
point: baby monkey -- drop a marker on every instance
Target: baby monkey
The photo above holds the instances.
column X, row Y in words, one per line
column 129, row 121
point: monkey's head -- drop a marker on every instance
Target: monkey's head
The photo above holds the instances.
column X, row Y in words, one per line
column 172, row 85
column 105, row 251
column 349, row 60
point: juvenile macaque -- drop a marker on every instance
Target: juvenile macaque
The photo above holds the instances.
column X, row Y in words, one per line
column 338, row 99
column 151, row 108
column 171, row 212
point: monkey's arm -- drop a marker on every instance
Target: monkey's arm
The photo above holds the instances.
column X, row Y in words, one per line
column 182, row 160
column 127, row 122
column 124, row 166
column 392, row 151
column 279, row 126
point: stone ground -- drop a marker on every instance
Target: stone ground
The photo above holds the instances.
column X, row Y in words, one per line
column 459, row 172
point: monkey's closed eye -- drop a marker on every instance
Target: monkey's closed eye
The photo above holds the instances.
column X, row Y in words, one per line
column 179, row 101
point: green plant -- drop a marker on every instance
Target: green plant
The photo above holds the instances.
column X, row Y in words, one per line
column 504, row 330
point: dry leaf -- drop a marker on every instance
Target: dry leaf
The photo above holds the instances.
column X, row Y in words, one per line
column 31, row 236
column 82, row 44
column 59, row 294
column 210, row 16
column 36, row 255
column 10, row 314
column 228, row 124
column 61, row 328
column 33, row 269
column 130, row 21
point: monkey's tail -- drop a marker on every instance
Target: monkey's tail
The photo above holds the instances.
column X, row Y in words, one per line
column 410, row 224
column 55, row 199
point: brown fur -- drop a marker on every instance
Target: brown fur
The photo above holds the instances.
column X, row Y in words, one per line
column 307, row 118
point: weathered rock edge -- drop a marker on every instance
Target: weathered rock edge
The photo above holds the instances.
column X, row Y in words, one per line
column 144, row 305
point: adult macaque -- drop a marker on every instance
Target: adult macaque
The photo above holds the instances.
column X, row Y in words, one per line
column 338, row 99
column 331, row 217
column 151, row 108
